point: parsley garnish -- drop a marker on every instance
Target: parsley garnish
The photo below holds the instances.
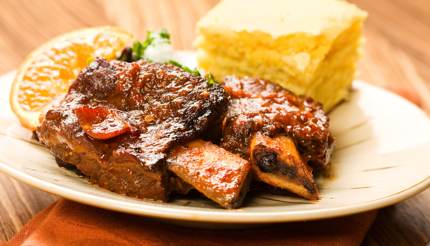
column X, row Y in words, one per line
column 139, row 47
column 185, row 68
column 137, row 52
column 211, row 79
column 164, row 34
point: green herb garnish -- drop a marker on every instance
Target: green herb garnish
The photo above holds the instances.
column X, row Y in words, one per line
column 211, row 79
column 164, row 34
column 152, row 38
column 185, row 68
column 137, row 52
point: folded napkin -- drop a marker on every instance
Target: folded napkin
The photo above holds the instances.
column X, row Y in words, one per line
column 69, row 223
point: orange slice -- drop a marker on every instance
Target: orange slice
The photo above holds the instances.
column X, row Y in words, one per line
column 50, row 69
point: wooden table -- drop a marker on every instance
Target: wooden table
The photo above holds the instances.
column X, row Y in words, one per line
column 397, row 56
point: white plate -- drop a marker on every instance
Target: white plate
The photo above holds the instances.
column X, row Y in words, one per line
column 382, row 157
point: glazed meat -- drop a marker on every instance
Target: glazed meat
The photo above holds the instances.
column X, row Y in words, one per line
column 119, row 121
column 258, row 105
column 135, row 128
column 278, row 163
column 218, row 174
column 280, row 133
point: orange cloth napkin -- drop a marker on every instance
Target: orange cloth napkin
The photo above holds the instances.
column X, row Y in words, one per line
column 69, row 223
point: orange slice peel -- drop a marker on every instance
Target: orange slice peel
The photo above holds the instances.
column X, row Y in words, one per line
column 49, row 70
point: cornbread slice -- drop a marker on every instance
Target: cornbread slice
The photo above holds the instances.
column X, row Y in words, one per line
column 309, row 46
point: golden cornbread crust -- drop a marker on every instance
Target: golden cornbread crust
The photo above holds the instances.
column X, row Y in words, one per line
column 310, row 46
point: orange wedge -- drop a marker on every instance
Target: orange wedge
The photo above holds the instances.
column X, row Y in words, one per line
column 50, row 69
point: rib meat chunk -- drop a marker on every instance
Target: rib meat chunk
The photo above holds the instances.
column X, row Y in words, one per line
column 119, row 120
column 218, row 174
column 283, row 135
column 260, row 106
column 278, row 163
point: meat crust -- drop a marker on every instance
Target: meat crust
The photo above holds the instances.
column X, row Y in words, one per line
column 218, row 174
column 119, row 120
column 259, row 106
column 276, row 162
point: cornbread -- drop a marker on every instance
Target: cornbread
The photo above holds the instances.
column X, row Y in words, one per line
column 309, row 46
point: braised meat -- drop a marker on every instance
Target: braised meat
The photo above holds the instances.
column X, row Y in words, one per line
column 277, row 162
column 135, row 128
column 119, row 121
column 280, row 133
column 258, row 105
column 218, row 174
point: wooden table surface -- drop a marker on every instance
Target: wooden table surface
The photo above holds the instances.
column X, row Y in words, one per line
column 397, row 56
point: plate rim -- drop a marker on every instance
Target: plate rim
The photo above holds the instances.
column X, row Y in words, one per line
column 219, row 216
